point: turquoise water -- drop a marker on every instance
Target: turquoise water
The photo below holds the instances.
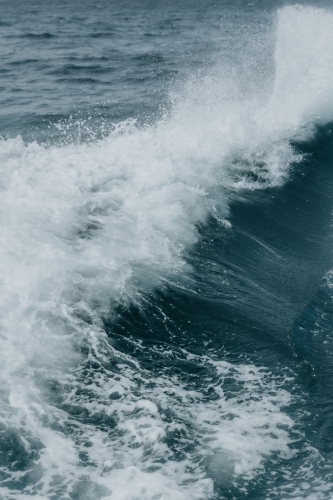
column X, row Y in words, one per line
column 166, row 251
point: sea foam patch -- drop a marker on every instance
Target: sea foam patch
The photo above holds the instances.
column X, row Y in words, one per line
column 119, row 433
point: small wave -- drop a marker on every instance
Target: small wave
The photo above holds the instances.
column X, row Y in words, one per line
column 106, row 34
column 149, row 58
column 69, row 69
column 81, row 80
column 38, row 35
column 24, row 61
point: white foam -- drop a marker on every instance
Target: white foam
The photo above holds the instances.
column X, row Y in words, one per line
column 158, row 444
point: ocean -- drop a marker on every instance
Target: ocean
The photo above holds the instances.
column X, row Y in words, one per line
column 166, row 250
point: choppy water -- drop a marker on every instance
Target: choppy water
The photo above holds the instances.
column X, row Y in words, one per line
column 166, row 250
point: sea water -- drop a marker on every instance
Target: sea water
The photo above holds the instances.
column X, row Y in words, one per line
column 166, row 250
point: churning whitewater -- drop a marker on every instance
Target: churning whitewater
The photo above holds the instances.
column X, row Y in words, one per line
column 155, row 337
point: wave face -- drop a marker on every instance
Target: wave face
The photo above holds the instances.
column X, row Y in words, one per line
column 166, row 256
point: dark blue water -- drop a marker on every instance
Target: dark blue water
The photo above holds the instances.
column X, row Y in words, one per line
column 166, row 250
